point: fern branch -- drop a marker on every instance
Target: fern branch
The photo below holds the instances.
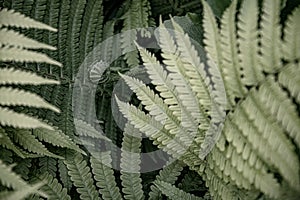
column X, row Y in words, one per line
column 10, row 96
column 12, row 18
column 130, row 164
column 20, row 120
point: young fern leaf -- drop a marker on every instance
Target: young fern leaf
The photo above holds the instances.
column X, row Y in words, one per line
column 174, row 193
column 291, row 44
column 12, row 38
column 20, row 120
column 81, row 177
column 53, row 188
column 130, row 164
column 10, row 96
column 248, row 43
column 169, row 174
column 230, row 61
column 270, row 31
column 104, row 175
column 12, row 18
column 15, row 76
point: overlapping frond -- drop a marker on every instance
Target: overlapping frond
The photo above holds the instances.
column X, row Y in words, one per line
column 81, row 177
column 104, row 175
column 130, row 164
column 174, row 193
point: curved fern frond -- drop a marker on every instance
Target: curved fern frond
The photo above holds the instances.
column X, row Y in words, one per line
column 15, row 76
column 81, row 177
column 21, row 193
column 291, row 43
column 10, row 96
column 230, row 61
column 270, row 31
column 12, row 38
column 22, row 55
column 56, row 138
column 169, row 174
column 53, row 188
column 20, row 120
column 12, row 18
column 30, row 143
column 104, row 175
column 174, row 193
column 248, row 43
column 130, row 164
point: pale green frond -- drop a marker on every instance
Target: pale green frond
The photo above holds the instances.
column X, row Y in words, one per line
column 290, row 79
column 211, row 35
column 267, row 137
column 15, row 76
column 130, row 164
column 274, row 98
column 6, row 142
column 248, row 43
column 81, row 176
column 16, row 97
column 10, row 179
column 104, row 175
column 56, row 138
column 291, row 44
column 21, row 193
column 20, row 120
column 230, row 65
column 168, row 174
column 16, row 19
column 173, row 192
column 53, row 188
column 12, row 38
column 23, row 55
column 270, row 36
column 30, row 143
column 85, row 129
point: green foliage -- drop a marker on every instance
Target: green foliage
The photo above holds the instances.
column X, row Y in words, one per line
column 256, row 155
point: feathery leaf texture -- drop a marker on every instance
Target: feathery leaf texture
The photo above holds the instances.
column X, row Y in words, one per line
column 81, row 176
column 104, row 175
column 130, row 163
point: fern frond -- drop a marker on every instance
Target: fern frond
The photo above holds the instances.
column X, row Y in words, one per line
column 15, row 76
column 12, row 38
column 12, row 18
column 130, row 164
column 10, row 96
column 20, row 120
column 56, row 138
column 169, row 174
column 174, row 193
column 47, row 165
column 30, row 143
column 10, row 179
column 23, row 55
column 104, row 175
column 73, row 39
column 21, row 193
column 248, row 43
column 81, row 177
column 291, row 44
column 63, row 175
column 53, row 188
column 6, row 142
column 270, row 39
column 230, row 65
